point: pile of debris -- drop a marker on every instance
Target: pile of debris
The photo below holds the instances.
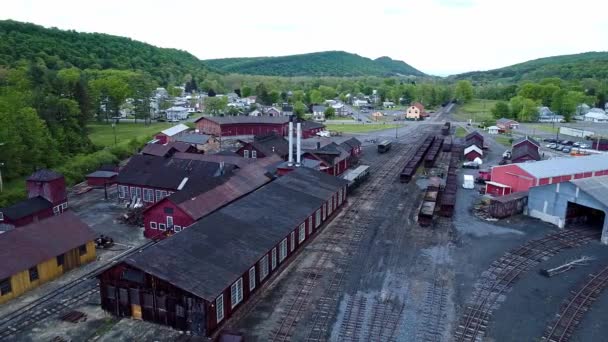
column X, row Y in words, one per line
column 481, row 210
column 133, row 217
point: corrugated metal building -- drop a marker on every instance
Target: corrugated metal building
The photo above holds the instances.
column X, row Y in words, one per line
column 198, row 278
column 39, row 252
column 523, row 176
column 575, row 201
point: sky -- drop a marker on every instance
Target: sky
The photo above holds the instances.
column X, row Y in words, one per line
column 438, row 37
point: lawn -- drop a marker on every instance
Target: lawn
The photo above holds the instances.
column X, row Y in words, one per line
column 460, row 132
column 103, row 134
column 359, row 128
column 543, row 127
column 477, row 110
column 503, row 140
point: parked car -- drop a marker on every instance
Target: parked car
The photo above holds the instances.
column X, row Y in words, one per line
column 552, row 145
column 567, row 142
column 549, row 140
column 576, row 144
column 566, row 149
column 470, row 165
column 584, row 146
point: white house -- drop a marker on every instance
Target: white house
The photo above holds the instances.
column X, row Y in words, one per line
column 388, row 104
column 596, row 115
column 359, row 103
column 177, row 113
column 255, row 113
column 318, row 113
column 493, row 130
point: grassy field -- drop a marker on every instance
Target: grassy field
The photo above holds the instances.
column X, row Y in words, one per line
column 503, row 140
column 103, row 134
column 359, row 128
column 460, row 132
column 477, row 110
column 543, row 127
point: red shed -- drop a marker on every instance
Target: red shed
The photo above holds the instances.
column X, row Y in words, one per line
column 525, row 149
column 243, row 125
column 101, row 178
column 497, row 189
column 311, row 128
column 170, row 134
column 472, row 152
column 521, row 177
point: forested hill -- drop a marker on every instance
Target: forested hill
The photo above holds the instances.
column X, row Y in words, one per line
column 567, row 67
column 329, row 63
column 63, row 49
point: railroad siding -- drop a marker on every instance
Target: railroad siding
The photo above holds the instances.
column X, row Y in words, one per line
column 47, row 271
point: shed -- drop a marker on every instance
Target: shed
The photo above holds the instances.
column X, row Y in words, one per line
column 472, row 152
column 497, row 189
column 170, row 133
column 508, row 205
column 101, row 178
column 493, row 130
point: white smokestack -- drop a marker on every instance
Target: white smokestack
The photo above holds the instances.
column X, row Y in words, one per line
column 290, row 160
column 298, row 143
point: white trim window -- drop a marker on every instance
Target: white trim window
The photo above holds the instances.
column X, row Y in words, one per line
column 153, row 225
column 292, row 241
column 330, row 205
column 158, row 195
column 273, row 259
column 339, row 196
column 122, row 191
column 236, row 293
column 318, row 218
column 283, row 250
column 177, row 229
column 310, row 226
column 219, row 308
column 263, row 267
column 162, row 226
column 163, row 194
column 254, row 154
column 252, row 278
column 324, row 211
column 64, row 206
column 301, row 233
column 148, row 195
column 57, row 210
column 245, row 153
column 169, row 222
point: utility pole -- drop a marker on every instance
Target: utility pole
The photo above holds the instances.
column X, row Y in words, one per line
column 1, row 165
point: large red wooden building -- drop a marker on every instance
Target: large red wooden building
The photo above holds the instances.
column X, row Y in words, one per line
column 47, row 196
column 523, row 176
column 197, row 279
column 243, row 125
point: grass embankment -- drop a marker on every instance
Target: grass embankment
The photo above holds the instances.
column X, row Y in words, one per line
column 360, row 128
column 477, row 110
column 102, row 135
column 460, row 132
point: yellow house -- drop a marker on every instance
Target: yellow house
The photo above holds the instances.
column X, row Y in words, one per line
column 415, row 111
column 42, row 251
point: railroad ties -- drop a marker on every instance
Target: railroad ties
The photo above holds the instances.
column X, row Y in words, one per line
column 414, row 161
column 504, row 272
column 571, row 312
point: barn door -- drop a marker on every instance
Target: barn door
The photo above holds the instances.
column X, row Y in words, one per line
column 71, row 260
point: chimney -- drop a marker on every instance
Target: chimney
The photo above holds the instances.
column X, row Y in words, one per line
column 298, row 143
column 290, row 160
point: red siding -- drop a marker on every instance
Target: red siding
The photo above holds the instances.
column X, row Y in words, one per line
column 497, row 190
column 472, row 155
column 162, row 138
column 54, row 191
column 249, row 147
column 158, row 214
column 513, row 176
column 209, row 127
column 543, row 181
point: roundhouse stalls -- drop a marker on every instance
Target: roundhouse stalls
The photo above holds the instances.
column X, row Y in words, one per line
column 41, row 251
column 523, row 176
column 582, row 201
column 183, row 208
column 47, row 196
column 525, row 149
column 199, row 278
column 171, row 133
column 148, row 179
column 242, row 125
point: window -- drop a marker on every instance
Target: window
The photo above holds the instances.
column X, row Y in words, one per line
column 177, row 229
column 133, row 192
column 219, row 308
column 60, row 259
column 324, row 211
column 274, row 258
column 169, row 221
column 236, row 293
column 64, row 206
column 159, row 195
column 309, row 226
column 283, row 250
column 252, row 278
column 33, row 273
column 148, row 195
column 263, row 267
column 122, row 191
column 5, row 286
column 254, row 154
column 302, row 233
column 329, row 206
column 246, row 153
column 163, row 194
column 318, row 218
column 292, row 241
column 56, row 210
column 168, row 210
column 152, row 225
column 82, row 250
column 161, row 226
column 138, row 192
column 1, row 216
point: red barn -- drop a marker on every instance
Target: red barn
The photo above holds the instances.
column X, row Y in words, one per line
column 525, row 149
column 47, row 196
column 199, row 278
column 332, row 157
column 170, row 134
column 472, row 152
column 474, row 138
column 352, row 146
column 183, row 208
column 101, row 178
column 311, row 128
column 243, row 125
column 523, row 176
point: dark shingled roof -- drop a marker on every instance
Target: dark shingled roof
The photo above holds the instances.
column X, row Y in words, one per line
column 351, row 143
column 247, row 119
column 194, row 139
column 231, row 158
column 167, row 173
column 208, row 257
column 26, row 208
column 158, row 150
column 525, row 150
column 266, row 143
column 179, row 146
column 526, row 138
column 27, row 246
column 307, row 124
column 44, row 175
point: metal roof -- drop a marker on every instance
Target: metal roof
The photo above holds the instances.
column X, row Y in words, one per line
column 157, row 150
column 209, row 256
column 233, row 159
column 566, row 166
column 102, row 174
column 224, row 120
column 175, row 130
column 596, row 187
column 26, row 208
column 44, row 175
column 27, row 246
column 197, row 139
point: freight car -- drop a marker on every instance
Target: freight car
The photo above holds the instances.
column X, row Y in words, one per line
column 446, row 128
column 433, row 152
column 427, row 209
column 356, row 176
column 384, row 146
column 414, row 162
column 448, row 196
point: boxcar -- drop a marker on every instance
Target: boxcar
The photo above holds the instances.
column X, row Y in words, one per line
column 384, row 146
